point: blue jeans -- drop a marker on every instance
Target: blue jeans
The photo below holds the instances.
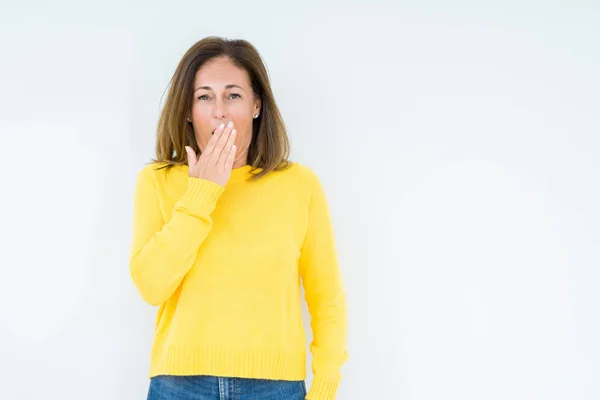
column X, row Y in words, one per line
column 206, row 387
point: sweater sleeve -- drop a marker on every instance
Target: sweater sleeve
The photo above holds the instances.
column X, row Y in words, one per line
column 162, row 253
column 325, row 297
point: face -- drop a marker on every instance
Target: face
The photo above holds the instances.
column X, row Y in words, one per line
column 222, row 93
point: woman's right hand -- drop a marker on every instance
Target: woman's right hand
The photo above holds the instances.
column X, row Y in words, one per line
column 216, row 161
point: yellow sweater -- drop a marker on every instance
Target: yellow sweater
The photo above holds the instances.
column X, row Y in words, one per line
column 224, row 265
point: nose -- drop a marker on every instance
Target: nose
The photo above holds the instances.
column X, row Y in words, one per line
column 220, row 111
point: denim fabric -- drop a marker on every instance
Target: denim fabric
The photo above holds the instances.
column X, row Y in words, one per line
column 206, row 387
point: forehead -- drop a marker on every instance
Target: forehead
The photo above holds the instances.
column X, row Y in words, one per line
column 220, row 72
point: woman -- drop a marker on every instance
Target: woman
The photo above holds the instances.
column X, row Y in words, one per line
column 225, row 228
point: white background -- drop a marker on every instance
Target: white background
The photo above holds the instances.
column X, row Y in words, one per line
column 458, row 142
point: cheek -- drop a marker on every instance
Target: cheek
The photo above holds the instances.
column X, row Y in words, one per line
column 202, row 138
column 244, row 134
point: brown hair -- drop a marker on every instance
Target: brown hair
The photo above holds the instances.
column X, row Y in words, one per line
column 269, row 147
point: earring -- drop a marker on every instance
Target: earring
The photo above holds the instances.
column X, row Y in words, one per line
column 189, row 120
column 255, row 116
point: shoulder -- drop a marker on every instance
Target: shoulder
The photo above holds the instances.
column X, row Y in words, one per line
column 306, row 177
column 304, row 173
column 150, row 172
column 146, row 173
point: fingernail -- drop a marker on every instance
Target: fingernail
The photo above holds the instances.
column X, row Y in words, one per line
column 221, row 126
column 230, row 124
column 233, row 132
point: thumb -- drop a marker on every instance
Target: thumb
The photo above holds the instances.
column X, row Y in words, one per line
column 191, row 156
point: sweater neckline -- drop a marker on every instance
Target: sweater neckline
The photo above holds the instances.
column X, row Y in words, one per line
column 237, row 174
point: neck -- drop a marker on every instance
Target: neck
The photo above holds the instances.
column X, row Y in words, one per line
column 240, row 161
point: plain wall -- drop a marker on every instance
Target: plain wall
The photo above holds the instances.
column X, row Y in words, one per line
column 458, row 143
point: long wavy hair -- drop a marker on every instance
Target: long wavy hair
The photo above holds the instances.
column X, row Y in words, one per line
column 269, row 148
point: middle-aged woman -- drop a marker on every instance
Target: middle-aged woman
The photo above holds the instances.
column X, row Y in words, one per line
column 225, row 229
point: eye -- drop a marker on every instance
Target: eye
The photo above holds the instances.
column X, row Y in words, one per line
column 205, row 97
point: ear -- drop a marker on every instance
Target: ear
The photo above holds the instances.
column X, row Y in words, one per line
column 257, row 105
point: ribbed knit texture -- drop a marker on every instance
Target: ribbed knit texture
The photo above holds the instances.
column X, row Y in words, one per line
column 224, row 265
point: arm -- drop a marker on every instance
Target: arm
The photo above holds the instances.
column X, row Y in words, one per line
column 325, row 297
column 162, row 253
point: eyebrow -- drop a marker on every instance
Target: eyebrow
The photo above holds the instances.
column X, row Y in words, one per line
column 231, row 85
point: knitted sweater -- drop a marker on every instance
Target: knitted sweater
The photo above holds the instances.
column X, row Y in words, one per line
column 224, row 265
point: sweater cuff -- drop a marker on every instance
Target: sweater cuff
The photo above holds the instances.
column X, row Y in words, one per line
column 200, row 197
column 323, row 388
